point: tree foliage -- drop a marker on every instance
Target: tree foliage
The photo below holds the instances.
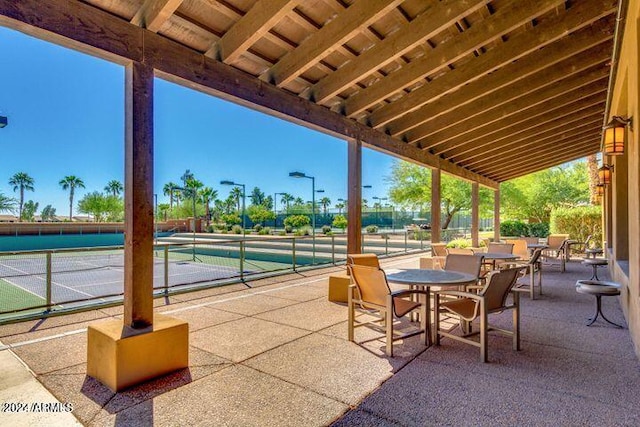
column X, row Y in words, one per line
column 259, row 214
column 297, row 221
column 410, row 188
column 534, row 196
column 102, row 207
column 29, row 210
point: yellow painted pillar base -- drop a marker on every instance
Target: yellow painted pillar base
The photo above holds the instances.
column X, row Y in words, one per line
column 120, row 357
column 339, row 287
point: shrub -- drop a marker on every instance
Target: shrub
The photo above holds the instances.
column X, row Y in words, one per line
column 459, row 243
column 304, row 231
column 210, row 229
column 326, row 229
column 236, row 229
column 539, row 229
column 514, row 228
column 231, row 219
column 339, row 221
column 264, row 231
column 297, row 221
column 372, row 228
column 420, row 235
column 578, row 222
column 288, row 229
column 257, row 228
column 282, row 233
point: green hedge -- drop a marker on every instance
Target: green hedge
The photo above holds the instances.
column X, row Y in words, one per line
column 578, row 223
column 523, row 229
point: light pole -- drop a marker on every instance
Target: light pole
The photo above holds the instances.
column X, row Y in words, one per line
column 275, row 209
column 235, row 184
column 313, row 210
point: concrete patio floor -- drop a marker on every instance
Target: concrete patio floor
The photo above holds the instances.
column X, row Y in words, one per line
column 277, row 354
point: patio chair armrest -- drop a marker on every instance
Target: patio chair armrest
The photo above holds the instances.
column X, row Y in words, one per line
column 469, row 295
column 404, row 292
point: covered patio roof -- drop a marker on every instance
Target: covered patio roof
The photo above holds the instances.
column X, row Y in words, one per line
column 488, row 90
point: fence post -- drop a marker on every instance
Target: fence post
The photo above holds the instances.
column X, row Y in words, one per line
column 293, row 252
column 241, row 259
column 48, row 281
column 386, row 244
column 406, row 243
column 166, row 269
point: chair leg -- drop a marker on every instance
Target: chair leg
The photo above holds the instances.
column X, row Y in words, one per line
column 484, row 347
column 532, row 280
column 388, row 322
column 540, row 277
column 516, row 321
column 352, row 315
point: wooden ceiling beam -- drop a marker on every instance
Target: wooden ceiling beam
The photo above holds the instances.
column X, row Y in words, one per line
column 521, row 119
column 524, row 49
column 574, row 119
column 548, row 138
column 509, row 100
column 153, row 13
column 504, row 20
column 324, row 41
column 565, row 157
column 432, row 21
column 543, row 151
column 78, row 25
column 263, row 16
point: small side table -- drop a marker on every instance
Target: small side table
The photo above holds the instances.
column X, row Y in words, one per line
column 593, row 252
column 598, row 289
column 595, row 263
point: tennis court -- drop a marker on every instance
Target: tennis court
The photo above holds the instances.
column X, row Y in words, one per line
column 82, row 276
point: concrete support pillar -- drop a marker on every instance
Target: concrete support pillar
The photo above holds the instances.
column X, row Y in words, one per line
column 138, row 197
column 496, row 215
column 436, row 226
column 354, row 198
column 475, row 215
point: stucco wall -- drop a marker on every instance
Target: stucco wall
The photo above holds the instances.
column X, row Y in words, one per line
column 625, row 102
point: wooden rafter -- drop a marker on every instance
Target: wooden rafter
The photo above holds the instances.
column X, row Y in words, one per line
column 153, row 13
column 503, row 21
column 431, row 22
column 250, row 28
column 325, row 40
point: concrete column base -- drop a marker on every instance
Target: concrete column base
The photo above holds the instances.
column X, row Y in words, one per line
column 120, row 357
column 339, row 287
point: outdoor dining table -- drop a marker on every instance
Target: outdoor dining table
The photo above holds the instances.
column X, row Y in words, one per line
column 425, row 279
column 497, row 256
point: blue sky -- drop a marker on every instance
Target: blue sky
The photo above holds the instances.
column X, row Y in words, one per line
column 66, row 115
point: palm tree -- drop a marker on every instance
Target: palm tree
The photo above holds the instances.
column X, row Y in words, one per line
column 71, row 182
column 114, row 187
column 191, row 190
column 340, row 206
column 186, row 176
column 169, row 189
column 236, row 193
column 207, row 194
column 325, row 201
column 286, row 199
column 21, row 181
column 7, row 204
